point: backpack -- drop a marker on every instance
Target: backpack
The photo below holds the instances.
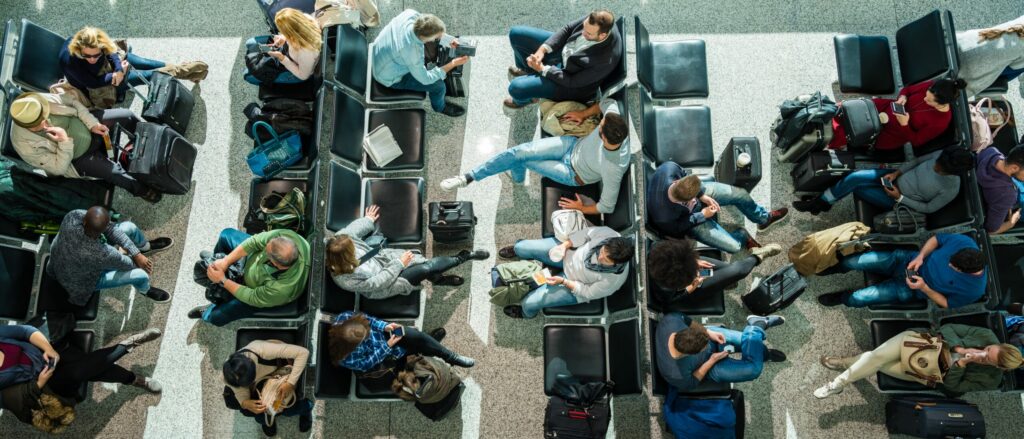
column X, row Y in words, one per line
column 425, row 379
column 511, row 281
column 279, row 210
column 263, row 67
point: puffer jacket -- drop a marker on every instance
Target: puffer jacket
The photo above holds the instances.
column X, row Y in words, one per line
column 818, row 251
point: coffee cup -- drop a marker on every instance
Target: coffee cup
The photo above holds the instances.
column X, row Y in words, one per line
column 743, row 160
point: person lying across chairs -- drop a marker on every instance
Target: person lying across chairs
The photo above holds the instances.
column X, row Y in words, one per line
column 594, row 260
column 949, row 270
column 297, row 48
column 377, row 273
column 364, row 343
column 602, row 156
column 999, row 179
column 680, row 205
column 247, row 371
column 57, row 134
column 977, row 361
column 688, row 353
column 987, row 54
column 276, row 267
column 924, row 184
column 675, row 266
column 86, row 255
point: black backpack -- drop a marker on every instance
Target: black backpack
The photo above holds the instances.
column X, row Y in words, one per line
column 263, row 67
column 578, row 411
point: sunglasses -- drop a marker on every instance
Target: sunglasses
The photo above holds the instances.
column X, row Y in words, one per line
column 96, row 56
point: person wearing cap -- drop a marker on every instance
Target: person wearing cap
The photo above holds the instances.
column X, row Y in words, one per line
column 57, row 134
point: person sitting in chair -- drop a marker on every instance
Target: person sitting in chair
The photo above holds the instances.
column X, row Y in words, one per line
column 567, row 65
column 363, row 343
column 246, row 369
column 297, row 48
column 999, row 178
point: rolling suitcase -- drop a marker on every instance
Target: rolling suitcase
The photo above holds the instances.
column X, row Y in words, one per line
column 821, row 169
column 930, row 417
column 168, row 101
column 859, row 118
column 162, row 158
column 270, row 8
column 451, row 221
column 563, row 419
column 728, row 171
column 775, row 292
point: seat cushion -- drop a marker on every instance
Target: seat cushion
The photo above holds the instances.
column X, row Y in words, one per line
column 625, row 297
column 375, row 388
column 624, row 365
column 351, row 59
column 54, row 298
column 401, row 202
column 335, row 300
column 882, row 331
column 395, row 307
column 381, row 93
column 624, row 215
column 864, row 64
column 921, row 47
column 343, row 197
column 682, row 135
column 1009, row 269
column 37, row 62
column 618, row 75
column 957, row 212
column 332, row 381
column 260, row 189
column 680, row 70
column 576, row 350
column 551, row 191
column 287, row 311
column 587, row 309
column 17, row 272
column 408, row 127
column 349, row 120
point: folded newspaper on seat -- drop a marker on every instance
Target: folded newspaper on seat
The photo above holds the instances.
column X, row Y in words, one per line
column 381, row 145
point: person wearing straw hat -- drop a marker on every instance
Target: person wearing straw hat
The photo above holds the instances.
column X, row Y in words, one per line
column 57, row 134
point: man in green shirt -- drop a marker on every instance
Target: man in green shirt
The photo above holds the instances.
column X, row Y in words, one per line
column 276, row 269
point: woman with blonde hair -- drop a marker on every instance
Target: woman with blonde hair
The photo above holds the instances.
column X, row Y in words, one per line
column 988, row 54
column 297, row 47
column 377, row 273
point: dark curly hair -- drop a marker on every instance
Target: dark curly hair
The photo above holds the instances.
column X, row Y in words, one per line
column 968, row 260
column 955, row 160
column 672, row 264
column 619, row 250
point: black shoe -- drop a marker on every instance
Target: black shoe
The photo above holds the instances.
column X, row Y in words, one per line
column 158, row 245
column 461, row 361
column 516, row 72
column 514, row 311
column 270, row 431
column 831, row 299
column 449, row 280
column 252, row 111
column 774, row 356
column 197, row 312
column 475, row 255
column 453, row 110
column 774, row 217
column 438, row 334
column 508, row 252
column 305, row 422
column 813, row 206
column 158, row 295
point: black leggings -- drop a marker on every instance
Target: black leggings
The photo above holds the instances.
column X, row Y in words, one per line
column 416, row 342
column 430, row 270
column 76, row 367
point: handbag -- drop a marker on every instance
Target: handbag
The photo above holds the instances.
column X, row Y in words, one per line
column 901, row 219
column 215, row 293
column 925, row 358
column 267, row 393
column 565, row 222
column 270, row 157
column 280, row 210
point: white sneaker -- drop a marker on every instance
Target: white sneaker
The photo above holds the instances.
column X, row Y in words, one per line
column 148, row 384
column 827, row 391
column 452, row 183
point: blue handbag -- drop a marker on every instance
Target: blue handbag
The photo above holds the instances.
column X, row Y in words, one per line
column 271, row 157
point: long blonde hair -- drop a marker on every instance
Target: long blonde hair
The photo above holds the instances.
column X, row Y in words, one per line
column 300, row 30
column 995, row 32
column 93, row 38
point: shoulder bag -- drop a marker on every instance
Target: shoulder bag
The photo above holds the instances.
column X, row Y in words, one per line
column 270, row 157
column 925, row 358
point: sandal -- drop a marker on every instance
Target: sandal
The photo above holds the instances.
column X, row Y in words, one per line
column 450, row 280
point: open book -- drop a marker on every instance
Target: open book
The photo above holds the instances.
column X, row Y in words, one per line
column 381, row 145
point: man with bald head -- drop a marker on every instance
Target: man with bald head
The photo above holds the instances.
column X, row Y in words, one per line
column 88, row 254
column 276, row 266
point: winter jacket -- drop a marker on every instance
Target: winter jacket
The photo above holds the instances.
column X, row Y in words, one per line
column 818, row 251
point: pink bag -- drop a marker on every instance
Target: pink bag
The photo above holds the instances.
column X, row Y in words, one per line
column 981, row 126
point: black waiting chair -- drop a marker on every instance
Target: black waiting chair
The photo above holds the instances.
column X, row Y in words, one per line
column 676, row 134
column 582, row 352
column 344, row 200
column 624, row 357
column 881, row 331
column 1008, row 270
column 260, row 188
column 352, row 122
column 958, row 212
column 334, row 299
column 352, row 70
column 332, row 381
column 707, row 303
column 626, row 297
column 290, row 311
column 396, row 307
column 37, row 57
column 671, row 69
column 54, row 298
column 82, row 340
column 17, row 276
column 864, row 64
column 622, row 299
column 621, row 219
column 616, row 80
column 660, row 386
column 401, row 206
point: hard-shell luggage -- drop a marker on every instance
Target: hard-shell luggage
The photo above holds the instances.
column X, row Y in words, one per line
column 859, row 118
column 451, row 221
column 776, row 291
column 728, row 170
column 162, row 159
column 168, row 102
column 563, row 419
column 930, row 417
column 821, row 169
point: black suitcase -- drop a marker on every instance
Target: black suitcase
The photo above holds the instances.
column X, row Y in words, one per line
column 162, row 158
column 454, row 81
column 565, row 420
column 271, row 7
column 168, row 102
column 929, row 417
column 859, row 118
column 451, row 221
column 775, row 292
column 727, row 171
column 821, row 169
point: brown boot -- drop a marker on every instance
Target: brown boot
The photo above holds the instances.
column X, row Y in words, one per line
column 194, row 71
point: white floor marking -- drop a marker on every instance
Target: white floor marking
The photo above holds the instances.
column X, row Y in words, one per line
column 472, row 399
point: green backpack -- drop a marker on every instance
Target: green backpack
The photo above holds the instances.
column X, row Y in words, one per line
column 279, row 210
column 511, row 281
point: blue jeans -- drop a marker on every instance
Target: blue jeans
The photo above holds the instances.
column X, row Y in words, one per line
column 866, row 184
column 550, row 157
column 135, row 277
column 537, row 249
column 234, row 309
column 435, row 90
column 141, row 67
column 891, row 263
column 545, row 296
column 525, row 41
column 750, row 343
column 284, row 77
column 713, row 234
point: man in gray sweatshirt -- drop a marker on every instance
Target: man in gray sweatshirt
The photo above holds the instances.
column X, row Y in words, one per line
column 924, row 184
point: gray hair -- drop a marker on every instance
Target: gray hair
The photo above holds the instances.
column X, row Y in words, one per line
column 282, row 251
column 428, row 25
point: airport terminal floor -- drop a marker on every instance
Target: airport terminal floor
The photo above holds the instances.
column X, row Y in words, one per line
column 758, row 54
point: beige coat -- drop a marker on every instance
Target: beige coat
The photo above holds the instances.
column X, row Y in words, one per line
column 272, row 350
column 39, row 151
column 817, row 251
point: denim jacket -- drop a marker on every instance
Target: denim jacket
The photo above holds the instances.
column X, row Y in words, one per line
column 397, row 51
column 19, row 335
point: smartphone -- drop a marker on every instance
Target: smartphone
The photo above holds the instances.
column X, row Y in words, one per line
column 911, row 273
column 264, row 48
column 52, row 363
column 898, row 108
column 399, row 331
column 728, row 348
column 886, row 183
column 706, row 272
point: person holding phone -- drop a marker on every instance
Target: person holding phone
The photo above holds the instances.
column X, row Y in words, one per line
column 949, row 271
column 297, row 47
column 924, row 184
column 262, row 358
column 362, row 343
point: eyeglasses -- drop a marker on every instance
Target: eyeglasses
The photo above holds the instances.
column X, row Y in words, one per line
column 96, row 56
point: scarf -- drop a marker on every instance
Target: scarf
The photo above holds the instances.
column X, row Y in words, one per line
column 591, row 261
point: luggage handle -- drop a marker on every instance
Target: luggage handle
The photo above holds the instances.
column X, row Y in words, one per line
column 145, row 99
column 269, row 129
